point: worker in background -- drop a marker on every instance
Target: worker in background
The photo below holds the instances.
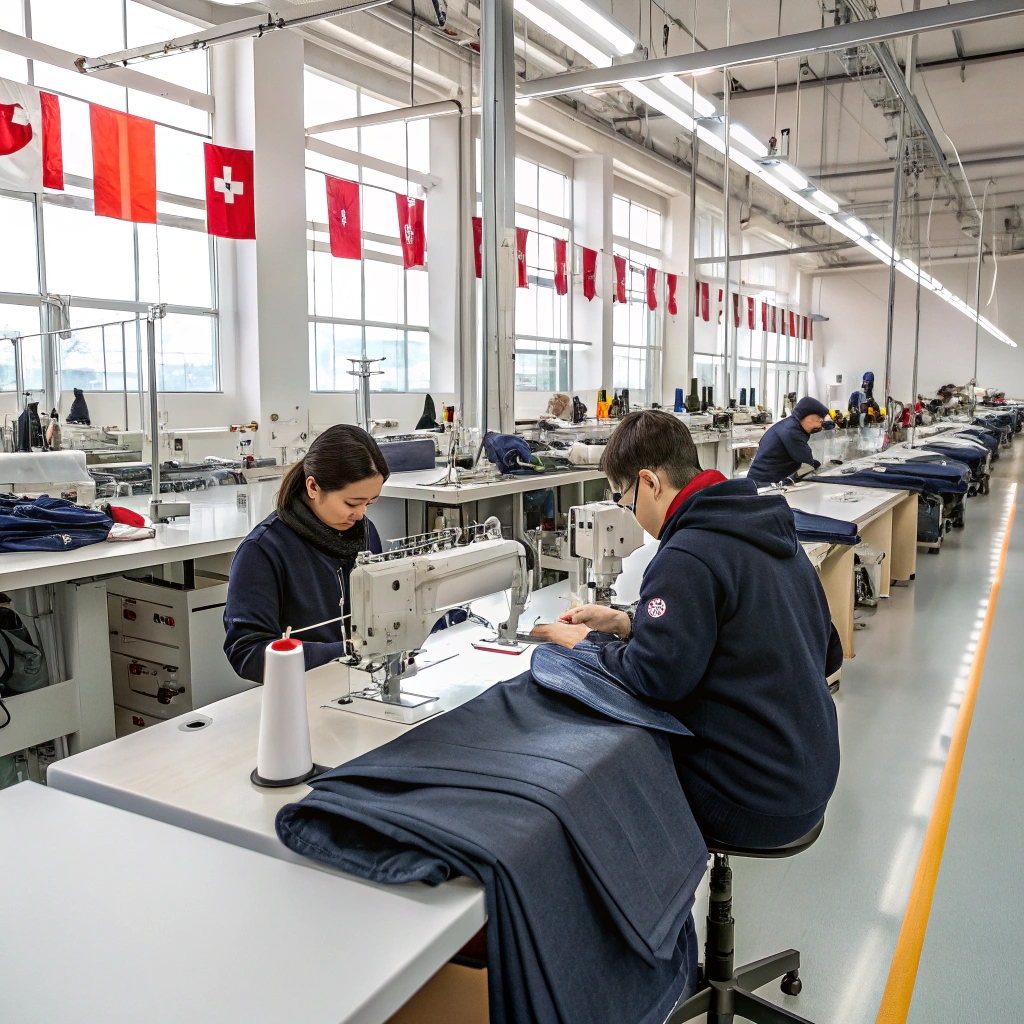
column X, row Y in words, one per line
column 732, row 635
column 784, row 448
column 293, row 569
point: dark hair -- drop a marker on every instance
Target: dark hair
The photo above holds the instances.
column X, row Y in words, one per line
column 650, row 439
column 341, row 455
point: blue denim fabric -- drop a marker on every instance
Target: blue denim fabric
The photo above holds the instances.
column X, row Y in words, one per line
column 49, row 524
column 575, row 825
column 823, row 529
column 946, row 477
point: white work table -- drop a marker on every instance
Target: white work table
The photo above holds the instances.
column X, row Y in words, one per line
column 422, row 485
column 112, row 918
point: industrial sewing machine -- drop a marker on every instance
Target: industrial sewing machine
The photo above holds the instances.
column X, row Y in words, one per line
column 603, row 533
column 397, row 597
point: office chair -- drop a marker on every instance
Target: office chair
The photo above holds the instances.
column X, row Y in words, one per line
column 726, row 992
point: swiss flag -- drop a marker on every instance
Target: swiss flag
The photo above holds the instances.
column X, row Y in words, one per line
column 561, row 271
column 652, row 289
column 620, row 279
column 410, row 231
column 123, row 165
column 31, row 158
column 230, row 204
column 478, row 241
column 589, row 273
column 343, row 218
column 522, row 276
column 671, row 280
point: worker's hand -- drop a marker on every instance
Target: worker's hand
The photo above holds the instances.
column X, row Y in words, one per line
column 599, row 617
column 562, row 633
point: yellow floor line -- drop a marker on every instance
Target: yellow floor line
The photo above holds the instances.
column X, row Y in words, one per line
column 899, row 987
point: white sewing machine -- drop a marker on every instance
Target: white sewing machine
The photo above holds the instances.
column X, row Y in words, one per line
column 603, row 533
column 397, row 597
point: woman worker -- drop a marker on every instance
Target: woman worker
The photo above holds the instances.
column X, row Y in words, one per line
column 293, row 569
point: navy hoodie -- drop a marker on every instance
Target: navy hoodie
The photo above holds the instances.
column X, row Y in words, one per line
column 733, row 636
column 782, row 451
column 279, row 580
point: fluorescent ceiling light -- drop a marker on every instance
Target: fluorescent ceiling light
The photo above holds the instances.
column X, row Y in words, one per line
column 745, row 138
column 862, row 229
column 659, row 102
column 561, row 31
column 792, row 175
column 825, row 200
column 607, row 28
column 703, row 107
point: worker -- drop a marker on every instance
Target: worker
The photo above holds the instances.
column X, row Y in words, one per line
column 731, row 635
column 293, row 569
column 783, row 449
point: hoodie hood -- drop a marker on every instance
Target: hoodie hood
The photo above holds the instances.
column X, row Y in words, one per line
column 735, row 509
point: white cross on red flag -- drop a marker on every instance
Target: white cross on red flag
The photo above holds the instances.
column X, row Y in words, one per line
column 230, row 203
column 410, row 231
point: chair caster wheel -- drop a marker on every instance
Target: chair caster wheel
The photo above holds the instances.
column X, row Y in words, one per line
column 791, row 983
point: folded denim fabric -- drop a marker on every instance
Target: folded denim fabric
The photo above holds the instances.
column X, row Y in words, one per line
column 814, row 529
column 944, row 476
column 49, row 524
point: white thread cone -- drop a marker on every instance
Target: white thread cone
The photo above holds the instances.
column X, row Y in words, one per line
column 284, row 750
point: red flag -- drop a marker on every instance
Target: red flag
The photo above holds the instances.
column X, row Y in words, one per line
column 698, row 290
column 561, row 272
column 230, row 206
column 764, row 316
column 620, row 279
column 670, row 288
column 750, row 311
column 123, row 165
column 792, row 324
column 652, row 289
column 705, row 301
column 736, row 308
column 410, row 231
column 803, row 325
column 810, row 330
column 344, row 218
column 775, row 321
column 53, row 152
column 523, row 280
column 478, row 240
column 589, row 273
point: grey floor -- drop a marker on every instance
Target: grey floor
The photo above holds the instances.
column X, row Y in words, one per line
column 842, row 902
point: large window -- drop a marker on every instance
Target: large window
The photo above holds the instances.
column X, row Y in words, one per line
column 371, row 307
column 636, row 330
column 111, row 269
column 543, row 317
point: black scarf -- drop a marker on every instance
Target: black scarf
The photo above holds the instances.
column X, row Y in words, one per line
column 343, row 544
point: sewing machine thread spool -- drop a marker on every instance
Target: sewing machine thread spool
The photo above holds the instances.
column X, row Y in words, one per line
column 284, row 755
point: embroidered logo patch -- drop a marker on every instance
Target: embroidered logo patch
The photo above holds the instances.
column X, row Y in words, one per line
column 656, row 608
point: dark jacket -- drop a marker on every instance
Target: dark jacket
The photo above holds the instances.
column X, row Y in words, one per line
column 782, row 451
column 733, row 635
column 278, row 580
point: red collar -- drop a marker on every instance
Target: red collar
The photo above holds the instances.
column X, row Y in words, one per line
column 708, row 478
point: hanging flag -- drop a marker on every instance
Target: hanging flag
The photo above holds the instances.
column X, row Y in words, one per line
column 671, row 280
column 810, row 330
column 698, row 290
column 705, row 301
column 589, row 273
column 123, row 165
column 31, row 158
column 561, row 271
column 620, row 279
column 344, row 218
column 230, row 206
column 792, row 324
column 410, row 231
column 775, row 320
column 750, row 312
column 523, row 278
column 652, row 289
column 736, row 309
column 478, row 241
column 804, row 322
column 764, row 316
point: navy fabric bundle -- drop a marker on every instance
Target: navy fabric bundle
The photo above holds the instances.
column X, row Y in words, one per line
column 921, row 475
column 814, row 529
column 575, row 825
column 49, row 524
column 509, row 452
column 971, row 455
column 983, row 435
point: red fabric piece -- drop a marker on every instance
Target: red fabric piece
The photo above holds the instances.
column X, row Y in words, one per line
column 810, row 330
column 561, row 269
column 705, row 301
column 806, row 321
column 53, row 152
column 764, row 316
column 126, row 516
column 478, row 241
column 750, row 312
column 775, row 320
column 792, row 324
column 344, row 218
column 652, row 289
column 410, row 231
column 620, row 279
column 589, row 273
column 671, row 280
column 708, row 478
column 523, row 277
column 123, row 165
column 736, row 309
column 230, row 204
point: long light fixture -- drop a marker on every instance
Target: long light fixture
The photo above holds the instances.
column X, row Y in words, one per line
column 698, row 113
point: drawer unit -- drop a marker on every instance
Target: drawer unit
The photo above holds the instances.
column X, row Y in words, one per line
column 127, row 721
column 149, row 686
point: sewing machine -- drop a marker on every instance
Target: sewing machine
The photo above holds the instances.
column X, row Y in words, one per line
column 603, row 533
column 397, row 597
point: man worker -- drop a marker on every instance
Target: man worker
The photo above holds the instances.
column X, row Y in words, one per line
column 731, row 635
column 784, row 449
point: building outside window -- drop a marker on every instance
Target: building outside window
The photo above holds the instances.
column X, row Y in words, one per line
column 51, row 241
column 371, row 307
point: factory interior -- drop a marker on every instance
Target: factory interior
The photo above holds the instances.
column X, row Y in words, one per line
column 504, row 507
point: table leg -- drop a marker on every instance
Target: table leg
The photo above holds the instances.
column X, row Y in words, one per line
column 836, row 574
column 904, row 539
column 879, row 534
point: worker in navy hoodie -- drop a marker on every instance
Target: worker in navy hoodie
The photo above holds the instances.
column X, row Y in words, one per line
column 732, row 635
column 784, row 448
column 293, row 569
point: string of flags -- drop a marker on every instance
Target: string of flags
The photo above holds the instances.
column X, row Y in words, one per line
column 774, row 319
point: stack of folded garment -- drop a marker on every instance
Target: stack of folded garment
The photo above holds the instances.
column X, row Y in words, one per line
column 943, row 476
column 573, row 821
column 49, row 524
column 812, row 529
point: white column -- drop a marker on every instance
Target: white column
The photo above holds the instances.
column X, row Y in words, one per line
column 677, row 356
column 444, row 228
column 593, row 180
